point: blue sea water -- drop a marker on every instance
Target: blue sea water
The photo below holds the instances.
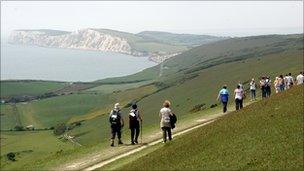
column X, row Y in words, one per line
column 40, row 63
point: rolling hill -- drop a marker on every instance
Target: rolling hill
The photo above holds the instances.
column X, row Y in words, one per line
column 265, row 135
column 189, row 79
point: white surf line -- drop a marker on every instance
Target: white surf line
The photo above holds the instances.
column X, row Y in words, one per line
column 105, row 162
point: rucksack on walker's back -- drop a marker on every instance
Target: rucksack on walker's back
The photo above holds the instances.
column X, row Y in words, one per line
column 133, row 116
column 114, row 117
column 173, row 120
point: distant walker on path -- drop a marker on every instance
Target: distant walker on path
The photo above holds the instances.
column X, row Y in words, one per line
column 252, row 86
column 117, row 123
column 165, row 123
column 134, row 124
column 238, row 95
column 223, row 96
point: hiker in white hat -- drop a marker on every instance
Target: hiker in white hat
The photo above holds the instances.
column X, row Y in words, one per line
column 117, row 123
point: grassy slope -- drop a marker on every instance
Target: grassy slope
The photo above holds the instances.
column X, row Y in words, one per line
column 190, row 62
column 205, row 87
column 265, row 135
column 202, row 89
column 178, row 39
column 12, row 88
column 96, row 132
column 110, row 88
column 42, row 144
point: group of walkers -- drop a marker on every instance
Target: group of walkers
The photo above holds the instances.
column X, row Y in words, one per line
column 280, row 84
column 168, row 118
column 283, row 83
column 167, row 122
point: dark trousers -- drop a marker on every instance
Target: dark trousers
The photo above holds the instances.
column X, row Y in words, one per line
column 268, row 91
column 134, row 132
column 224, row 106
column 252, row 93
column 116, row 129
column 166, row 131
column 263, row 89
column 238, row 104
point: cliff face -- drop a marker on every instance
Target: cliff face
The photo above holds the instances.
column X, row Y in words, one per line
column 86, row 39
column 159, row 46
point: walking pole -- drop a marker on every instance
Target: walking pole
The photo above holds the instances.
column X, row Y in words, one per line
column 141, row 131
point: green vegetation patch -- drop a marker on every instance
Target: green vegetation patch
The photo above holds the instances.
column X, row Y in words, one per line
column 265, row 135
column 15, row 88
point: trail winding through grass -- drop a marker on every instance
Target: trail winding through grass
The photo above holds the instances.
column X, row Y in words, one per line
column 99, row 159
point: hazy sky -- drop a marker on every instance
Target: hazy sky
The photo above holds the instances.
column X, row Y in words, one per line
column 200, row 17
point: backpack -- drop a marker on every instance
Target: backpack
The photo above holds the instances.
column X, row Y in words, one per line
column 173, row 120
column 114, row 117
column 133, row 117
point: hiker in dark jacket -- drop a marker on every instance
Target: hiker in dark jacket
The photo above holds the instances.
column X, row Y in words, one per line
column 134, row 125
column 117, row 123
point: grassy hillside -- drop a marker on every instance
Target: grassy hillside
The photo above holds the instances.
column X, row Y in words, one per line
column 189, row 40
column 189, row 63
column 13, row 88
column 190, row 79
column 265, row 135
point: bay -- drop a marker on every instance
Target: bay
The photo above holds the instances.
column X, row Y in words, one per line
column 40, row 63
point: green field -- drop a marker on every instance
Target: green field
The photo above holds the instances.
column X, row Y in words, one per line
column 189, row 79
column 13, row 88
column 30, row 147
column 265, row 135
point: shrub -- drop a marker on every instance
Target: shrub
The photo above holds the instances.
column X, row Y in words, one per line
column 59, row 129
column 11, row 156
column 198, row 107
column 213, row 105
column 19, row 128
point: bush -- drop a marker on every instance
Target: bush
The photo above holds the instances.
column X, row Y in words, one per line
column 198, row 107
column 59, row 129
column 19, row 128
column 213, row 105
column 11, row 156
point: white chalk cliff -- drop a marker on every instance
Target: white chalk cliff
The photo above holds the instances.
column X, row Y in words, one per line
column 87, row 39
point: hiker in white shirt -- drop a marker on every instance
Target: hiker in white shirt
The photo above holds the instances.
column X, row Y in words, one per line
column 238, row 95
column 252, row 85
column 165, row 124
column 286, row 82
column 300, row 78
column 290, row 81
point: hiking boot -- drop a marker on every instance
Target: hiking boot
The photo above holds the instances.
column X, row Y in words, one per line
column 112, row 144
column 120, row 142
column 136, row 142
column 132, row 143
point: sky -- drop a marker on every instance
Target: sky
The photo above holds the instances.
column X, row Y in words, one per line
column 197, row 17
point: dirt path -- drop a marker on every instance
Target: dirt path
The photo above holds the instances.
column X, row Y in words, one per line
column 105, row 162
column 108, row 155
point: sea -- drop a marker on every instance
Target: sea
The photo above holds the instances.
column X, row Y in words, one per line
column 20, row 62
